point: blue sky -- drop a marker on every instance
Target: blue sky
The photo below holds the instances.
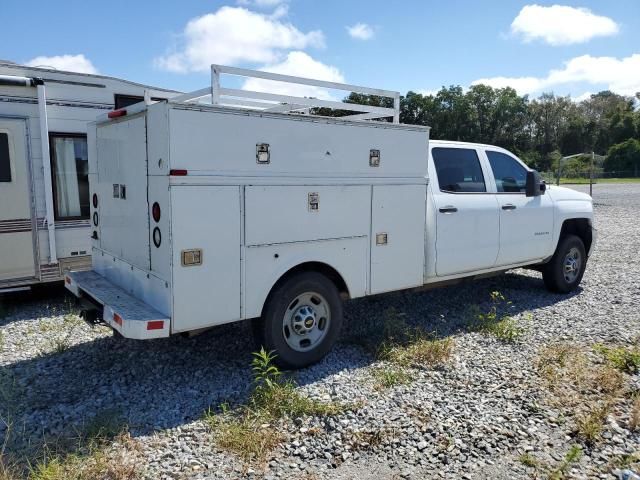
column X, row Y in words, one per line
column 567, row 47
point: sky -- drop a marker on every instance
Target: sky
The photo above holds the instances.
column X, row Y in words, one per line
column 571, row 47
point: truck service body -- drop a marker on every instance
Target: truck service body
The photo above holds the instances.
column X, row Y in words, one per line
column 204, row 214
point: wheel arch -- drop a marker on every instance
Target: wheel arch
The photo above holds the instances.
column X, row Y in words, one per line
column 312, row 266
column 581, row 227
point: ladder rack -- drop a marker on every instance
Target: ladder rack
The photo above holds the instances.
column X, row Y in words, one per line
column 273, row 102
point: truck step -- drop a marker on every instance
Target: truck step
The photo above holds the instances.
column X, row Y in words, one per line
column 121, row 311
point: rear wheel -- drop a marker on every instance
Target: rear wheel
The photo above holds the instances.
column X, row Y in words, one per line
column 301, row 320
column 564, row 271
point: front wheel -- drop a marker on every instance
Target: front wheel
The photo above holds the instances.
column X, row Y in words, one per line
column 301, row 320
column 564, row 271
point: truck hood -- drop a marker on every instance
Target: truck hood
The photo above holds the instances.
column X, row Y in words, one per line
column 560, row 194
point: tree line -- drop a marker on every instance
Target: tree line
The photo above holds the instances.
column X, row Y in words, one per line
column 539, row 130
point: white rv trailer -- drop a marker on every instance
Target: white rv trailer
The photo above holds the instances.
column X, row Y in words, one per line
column 208, row 214
column 44, row 190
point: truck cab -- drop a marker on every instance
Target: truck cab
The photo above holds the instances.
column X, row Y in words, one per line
column 209, row 213
column 482, row 217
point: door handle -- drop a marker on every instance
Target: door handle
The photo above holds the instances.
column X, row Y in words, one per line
column 509, row 206
column 448, row 209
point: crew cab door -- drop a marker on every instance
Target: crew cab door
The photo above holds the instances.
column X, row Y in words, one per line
column 467, row 230
column 526, row 223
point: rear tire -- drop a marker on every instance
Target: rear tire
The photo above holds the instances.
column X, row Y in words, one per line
column 563, row 273
column 301, row 320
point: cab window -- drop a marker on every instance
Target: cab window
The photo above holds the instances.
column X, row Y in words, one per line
column 510, row 175
column 458, row 170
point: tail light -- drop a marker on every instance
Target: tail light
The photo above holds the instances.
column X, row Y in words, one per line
column 117, row 113
column 155, row 212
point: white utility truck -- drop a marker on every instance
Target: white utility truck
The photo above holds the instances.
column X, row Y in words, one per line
column 252, row 207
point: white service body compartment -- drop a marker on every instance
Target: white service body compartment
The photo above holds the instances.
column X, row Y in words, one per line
column 398, row 214
column 223, row 142
column 281, row 214
column 205, row 218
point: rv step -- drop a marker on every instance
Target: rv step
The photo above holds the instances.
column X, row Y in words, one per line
column 122, row 311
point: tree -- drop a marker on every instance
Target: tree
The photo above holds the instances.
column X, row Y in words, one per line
column 623, row 159
column 540, row 130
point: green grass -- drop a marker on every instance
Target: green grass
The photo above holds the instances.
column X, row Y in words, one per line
column 528, row 460
column 571, row 457
column 625, row 359
column 407, row 346
column 388, row 377
column 503, row 327
column 420, row 352
column 590, row 424
column 585, row 181
column 247, row 435
column 248, row 430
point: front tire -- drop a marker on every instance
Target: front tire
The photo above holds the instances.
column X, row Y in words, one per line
column 301, row 320
column 563, row 273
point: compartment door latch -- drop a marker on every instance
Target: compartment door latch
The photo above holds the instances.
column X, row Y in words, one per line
column 314, row 201
column 263, row 153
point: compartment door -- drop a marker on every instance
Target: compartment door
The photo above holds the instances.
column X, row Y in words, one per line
column 16, row 235
column 205, row 219
column 397, row 237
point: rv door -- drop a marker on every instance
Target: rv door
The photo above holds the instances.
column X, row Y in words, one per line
column 16, row 229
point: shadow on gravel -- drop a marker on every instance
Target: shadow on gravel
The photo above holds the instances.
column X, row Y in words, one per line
column 165, row 383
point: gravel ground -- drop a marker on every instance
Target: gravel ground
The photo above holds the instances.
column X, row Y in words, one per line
column 473, row 418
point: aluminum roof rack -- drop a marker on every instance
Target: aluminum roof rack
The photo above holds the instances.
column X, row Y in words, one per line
column 273, row 102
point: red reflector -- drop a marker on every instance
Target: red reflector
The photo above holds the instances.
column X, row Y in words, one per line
column 117, row 318
column 155, row 325
column 155, row 211
column 178, row 173
column 68, row 280
column 117, row 113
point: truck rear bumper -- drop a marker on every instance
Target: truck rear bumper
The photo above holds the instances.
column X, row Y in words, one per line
column 123, row 312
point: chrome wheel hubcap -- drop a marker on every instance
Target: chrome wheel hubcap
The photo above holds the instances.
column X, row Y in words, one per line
column 306, row 321
column 572, row 265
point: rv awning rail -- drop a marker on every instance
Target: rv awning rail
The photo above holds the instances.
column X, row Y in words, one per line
column 274, row 102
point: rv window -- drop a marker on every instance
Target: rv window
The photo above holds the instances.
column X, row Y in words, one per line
column 5, row 162
column 123, row 101
column 70, row 176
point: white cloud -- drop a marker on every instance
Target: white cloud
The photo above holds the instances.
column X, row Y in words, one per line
column 70, row 63
column 561, row 25
column 521, row 84
column 361, row 31
column 298, row 64
column 234, row 35
column 261, row 3
column 621, row 76
column 582, row 97
column 425, row 92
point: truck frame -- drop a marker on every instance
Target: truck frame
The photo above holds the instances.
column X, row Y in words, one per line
column 253, row 206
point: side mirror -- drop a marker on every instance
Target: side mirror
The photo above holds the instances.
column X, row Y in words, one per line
column 534, row 187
